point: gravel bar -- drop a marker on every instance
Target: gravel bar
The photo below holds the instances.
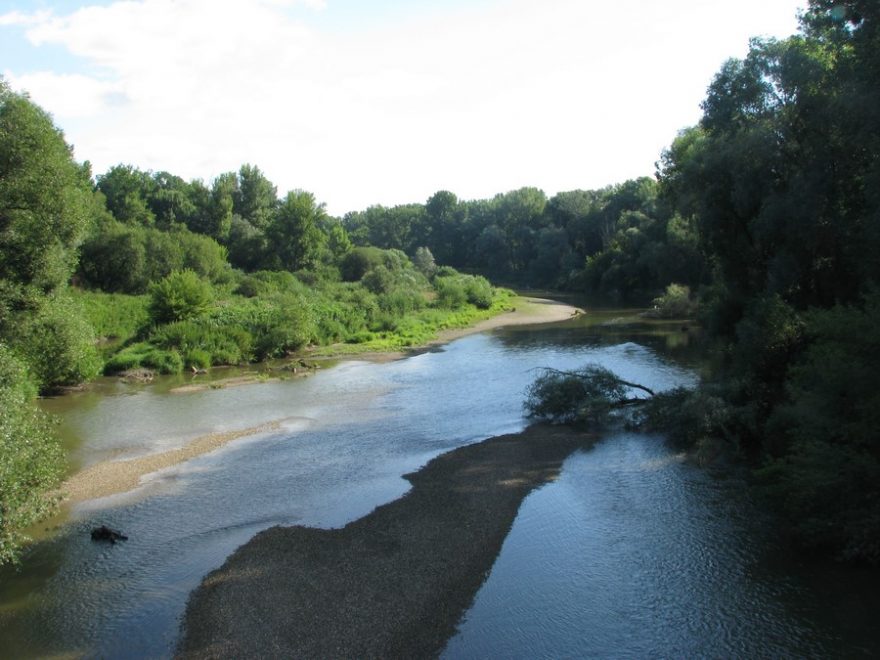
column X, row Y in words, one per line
column 392, row 584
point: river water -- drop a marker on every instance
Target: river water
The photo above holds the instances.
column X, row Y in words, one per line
column 633, row 552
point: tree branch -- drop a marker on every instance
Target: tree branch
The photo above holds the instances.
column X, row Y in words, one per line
column 575, row 374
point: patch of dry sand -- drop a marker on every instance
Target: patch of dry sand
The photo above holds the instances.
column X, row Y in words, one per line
column 112, row 477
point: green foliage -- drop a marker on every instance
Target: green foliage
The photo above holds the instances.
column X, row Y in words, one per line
column 586, row 396
column 479, row 292
column 45, row 197
column 115, row 317
column 451, row 291
column 294, row 235
column 144, row 354
column 675, row 303
column 59, row 344
column 824, row 472
column 31, row 459
column 126, row 259
column 455, row 290
column 378, row 280
column 360, row 261
column 198, row 358
column 690, row 419
column 782, row 182
column 424, row 261
column 181, row 295
column 126, row 190
column 255, row 197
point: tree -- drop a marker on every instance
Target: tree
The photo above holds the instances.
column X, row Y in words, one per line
column 782, row 179
column 444, row 221
column 423, row 260
column 46, row 203
column 128, row 191
column 31, row 458
column 255, row 198
column 174, row 201
column 294, row 236
column 45, row 197
column 587, row 395
column 520, row 213
column 338, row 241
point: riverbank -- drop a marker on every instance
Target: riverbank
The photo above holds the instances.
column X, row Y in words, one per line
column 111, row 477
column 392, row 584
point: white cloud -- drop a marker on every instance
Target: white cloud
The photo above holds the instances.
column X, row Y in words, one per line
column 560, row 94
column 68, row 96
column 20, row 18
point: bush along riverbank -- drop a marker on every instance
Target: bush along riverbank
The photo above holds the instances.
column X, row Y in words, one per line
column 185, row 324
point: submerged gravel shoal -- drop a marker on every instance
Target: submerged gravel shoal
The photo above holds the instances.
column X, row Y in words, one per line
column 392, row 584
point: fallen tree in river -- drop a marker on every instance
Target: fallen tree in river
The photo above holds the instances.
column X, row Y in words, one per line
column 587, row 395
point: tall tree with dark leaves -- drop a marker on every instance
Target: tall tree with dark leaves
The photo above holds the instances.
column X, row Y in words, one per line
column 294, row 235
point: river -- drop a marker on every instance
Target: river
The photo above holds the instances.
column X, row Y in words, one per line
column 633, row 552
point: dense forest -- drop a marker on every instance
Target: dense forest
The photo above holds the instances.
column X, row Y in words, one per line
column 780, row 182
column 765, row 217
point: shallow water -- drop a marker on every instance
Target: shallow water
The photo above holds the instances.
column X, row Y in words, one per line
column 656, row 542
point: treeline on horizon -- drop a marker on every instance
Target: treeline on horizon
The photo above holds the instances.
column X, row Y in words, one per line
column 766, row 215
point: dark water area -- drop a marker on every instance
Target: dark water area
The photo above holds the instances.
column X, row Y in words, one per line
column 633, row 552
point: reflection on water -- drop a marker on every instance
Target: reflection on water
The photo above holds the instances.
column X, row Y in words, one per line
column 628, row 534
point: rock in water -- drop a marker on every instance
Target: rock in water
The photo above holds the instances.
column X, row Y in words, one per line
column 104, row 533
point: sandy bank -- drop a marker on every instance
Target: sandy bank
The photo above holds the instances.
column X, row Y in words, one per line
column 529, row 311
column 392, row 584
column 112, row 477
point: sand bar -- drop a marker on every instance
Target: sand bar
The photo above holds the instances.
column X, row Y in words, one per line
column 393, row 584
column 112, row 477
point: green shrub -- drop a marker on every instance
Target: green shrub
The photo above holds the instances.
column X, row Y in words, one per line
column 198, row 358
column 279, row 324
column 446, row 271
column 479, row 292
column 114, row 316
column 401, row 302
column 361, row 337
column 451, row 292
column 59, row 344
column 165, row 362
column 122, row 361
column 689, row 417
column 179, row 296
column 252, row 287
column 359, row 262
column 31, row 458
column 675, row 303
column 144, row 354
column 226, row 343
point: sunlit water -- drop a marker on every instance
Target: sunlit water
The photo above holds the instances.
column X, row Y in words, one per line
column 632, row 552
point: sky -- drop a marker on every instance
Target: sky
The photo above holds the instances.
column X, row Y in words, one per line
column 366, row 102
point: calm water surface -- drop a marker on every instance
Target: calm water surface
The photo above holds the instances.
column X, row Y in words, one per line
column 631, row 553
